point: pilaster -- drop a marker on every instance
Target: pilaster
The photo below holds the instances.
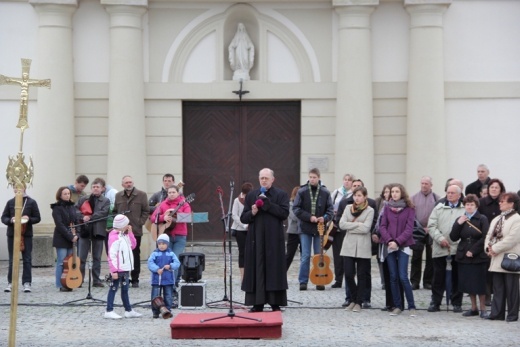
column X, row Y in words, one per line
column 354, row 116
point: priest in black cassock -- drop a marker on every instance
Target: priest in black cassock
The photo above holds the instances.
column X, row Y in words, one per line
column 265, row 277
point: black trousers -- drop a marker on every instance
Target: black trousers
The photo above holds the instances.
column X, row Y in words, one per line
column 439, row 282
column 505, row 289
column 357, row 290
column 416, row 268
column 339, row 269
column 293, row 241
column 137, row 261
column 240, row 236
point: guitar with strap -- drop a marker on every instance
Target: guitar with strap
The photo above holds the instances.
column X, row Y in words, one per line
column 71, row 276
column 169, row 226
column 321, row 274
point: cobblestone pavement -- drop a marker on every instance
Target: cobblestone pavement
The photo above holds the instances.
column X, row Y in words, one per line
column 45, row 320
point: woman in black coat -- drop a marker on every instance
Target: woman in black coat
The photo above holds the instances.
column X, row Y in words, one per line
column 471, row 229
column 63, row 213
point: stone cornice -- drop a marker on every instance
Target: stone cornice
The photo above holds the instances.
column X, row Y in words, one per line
column 125, row 2
column 355, row 2
column 427, row 2
column 54, row 2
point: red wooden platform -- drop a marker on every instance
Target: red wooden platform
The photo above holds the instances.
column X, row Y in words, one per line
column 189, row 326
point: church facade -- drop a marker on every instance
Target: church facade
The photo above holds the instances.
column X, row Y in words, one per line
column 389, row 90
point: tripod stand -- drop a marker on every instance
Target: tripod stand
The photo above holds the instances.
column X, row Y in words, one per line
column 226, row 224
column 89, row 264
column 231, row 312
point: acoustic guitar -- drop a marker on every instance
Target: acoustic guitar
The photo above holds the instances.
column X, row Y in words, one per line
column 321, row 274
column 71, row 276
column 168, row 226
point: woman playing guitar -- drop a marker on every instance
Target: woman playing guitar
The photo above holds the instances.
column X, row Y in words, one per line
column 177, row 231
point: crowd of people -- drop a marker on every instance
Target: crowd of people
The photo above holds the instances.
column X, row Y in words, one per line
column 468, row 232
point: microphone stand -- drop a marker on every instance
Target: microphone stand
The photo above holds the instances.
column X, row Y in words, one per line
column 89, row 260
column 231, row 313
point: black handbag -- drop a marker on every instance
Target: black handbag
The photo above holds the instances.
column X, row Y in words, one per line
column 511, row 262
column 419, row 236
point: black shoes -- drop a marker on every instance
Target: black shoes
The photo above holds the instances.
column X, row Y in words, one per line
column 98, row 285
column 415, row 286
column 275, row 308
column 457, row 309
column 320, row 287
column 63, row 289
column 135, row 284
column 434, row 308
column 470, row 313
column 427, row 286
column 258, row 308
column 336, row 285
column 367, row 304
column 303, row 286
column 346, row 303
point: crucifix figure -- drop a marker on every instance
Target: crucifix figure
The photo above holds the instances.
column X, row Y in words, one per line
column 24, row 83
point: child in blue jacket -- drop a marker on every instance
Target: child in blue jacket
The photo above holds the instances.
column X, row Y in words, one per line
column 162, row 263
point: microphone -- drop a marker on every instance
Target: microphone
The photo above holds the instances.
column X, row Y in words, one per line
column 219, row 190
column 262, row 192
column 232, row 183
column 259, row 203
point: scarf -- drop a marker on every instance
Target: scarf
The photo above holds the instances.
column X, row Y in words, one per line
column 356, row 210
column 396, row 206
column 314, row 197
column 497, row 232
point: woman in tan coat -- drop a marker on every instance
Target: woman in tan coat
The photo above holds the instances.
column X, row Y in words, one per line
column 357, row 246
column 504, row 237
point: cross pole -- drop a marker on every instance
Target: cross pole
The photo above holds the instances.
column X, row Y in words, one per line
column 19, row 176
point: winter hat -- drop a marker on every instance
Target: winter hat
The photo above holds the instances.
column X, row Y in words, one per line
column 120, row 221
column 163, row 238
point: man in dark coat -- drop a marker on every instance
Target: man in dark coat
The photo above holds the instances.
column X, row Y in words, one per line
column 312, row 205
column 30, row 216
column 93, row 241
column 482, row 180
column 265, row 278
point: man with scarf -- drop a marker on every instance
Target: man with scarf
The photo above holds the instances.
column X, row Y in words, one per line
column 312, row 205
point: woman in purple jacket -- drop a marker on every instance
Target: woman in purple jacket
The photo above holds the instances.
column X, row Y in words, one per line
column 397, row 234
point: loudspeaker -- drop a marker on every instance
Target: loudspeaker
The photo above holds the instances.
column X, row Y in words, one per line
column 192, row 295
column 192, row 265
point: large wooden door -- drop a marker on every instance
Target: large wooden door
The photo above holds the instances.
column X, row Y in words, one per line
column 226, row 142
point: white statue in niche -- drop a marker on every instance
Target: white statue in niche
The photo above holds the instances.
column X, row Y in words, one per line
column 241, row 54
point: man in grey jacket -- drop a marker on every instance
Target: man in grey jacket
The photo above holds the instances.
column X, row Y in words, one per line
column 440, row 224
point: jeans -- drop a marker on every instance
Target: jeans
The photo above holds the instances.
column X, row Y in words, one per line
column 123, row 279
column 167, row 291
column 26, row 257
column 398, row 268
column 177, row 245
column 61, row 253
column 305, row 243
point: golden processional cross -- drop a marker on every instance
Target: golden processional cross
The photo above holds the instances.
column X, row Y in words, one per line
column 19, row 176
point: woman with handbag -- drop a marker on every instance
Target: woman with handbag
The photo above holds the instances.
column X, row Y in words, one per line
column 471, row 229
column 504, row 238
column 396, row 230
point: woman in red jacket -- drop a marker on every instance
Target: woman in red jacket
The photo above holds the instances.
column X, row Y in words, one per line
column 177, row 231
